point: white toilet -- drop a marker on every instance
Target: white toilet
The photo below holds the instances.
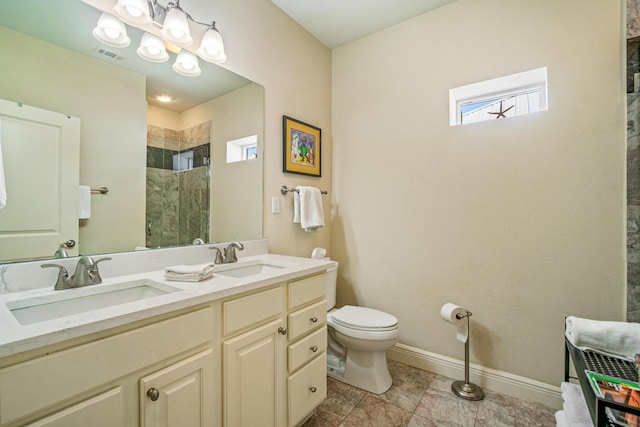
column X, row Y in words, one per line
column 358, row 340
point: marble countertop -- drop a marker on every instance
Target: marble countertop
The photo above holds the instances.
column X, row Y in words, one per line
column 16, row 338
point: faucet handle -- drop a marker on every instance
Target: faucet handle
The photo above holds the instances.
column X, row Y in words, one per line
column 218, row 259
column 96, row 273
column 62, row 275
column 230, row 252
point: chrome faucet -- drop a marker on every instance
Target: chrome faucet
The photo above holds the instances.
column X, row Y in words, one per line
column 86, row 273
column 219, row 259
column 230, row 252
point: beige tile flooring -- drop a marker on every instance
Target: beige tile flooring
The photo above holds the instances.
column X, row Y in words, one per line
column 419, row 398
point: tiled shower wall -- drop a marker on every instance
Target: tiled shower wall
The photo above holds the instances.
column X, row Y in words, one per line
column 633, row 162
column 177, row 202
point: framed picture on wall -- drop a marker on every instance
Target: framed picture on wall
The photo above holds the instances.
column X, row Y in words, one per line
column 302, row 147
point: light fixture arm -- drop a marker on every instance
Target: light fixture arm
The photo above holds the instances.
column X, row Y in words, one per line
column 158, row 12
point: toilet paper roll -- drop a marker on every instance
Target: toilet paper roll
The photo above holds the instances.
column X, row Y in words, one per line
column 318, row 253
column 449, row 312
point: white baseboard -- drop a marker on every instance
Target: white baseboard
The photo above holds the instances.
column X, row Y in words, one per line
column 487, row 378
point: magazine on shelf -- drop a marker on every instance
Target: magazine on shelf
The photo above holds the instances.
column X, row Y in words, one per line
column 620, row 391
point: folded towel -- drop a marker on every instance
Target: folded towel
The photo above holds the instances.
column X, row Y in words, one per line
column 575, row 405
column 84, row 202
column 617, row 338
column 561, row 419
column 3, row 188
column 296, row 207
column 311, row 210
column 189, row 273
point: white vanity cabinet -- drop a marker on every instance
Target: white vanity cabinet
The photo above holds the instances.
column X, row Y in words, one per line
column 307, row 345
column 274, row 354
column 98, row 383
column 253, row 359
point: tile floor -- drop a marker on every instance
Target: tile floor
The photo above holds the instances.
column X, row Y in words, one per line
column 419, row 398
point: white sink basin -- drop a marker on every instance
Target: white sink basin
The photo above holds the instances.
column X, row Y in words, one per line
column 248, row 268
column 81, row 300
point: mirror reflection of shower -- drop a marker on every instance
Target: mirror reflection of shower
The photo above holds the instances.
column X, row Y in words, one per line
column 178, row 171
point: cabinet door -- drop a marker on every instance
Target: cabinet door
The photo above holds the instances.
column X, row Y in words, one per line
column 104, row 410
column 253, row 382
column 179, row 395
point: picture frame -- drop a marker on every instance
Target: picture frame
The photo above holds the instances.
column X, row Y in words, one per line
column 302, row 147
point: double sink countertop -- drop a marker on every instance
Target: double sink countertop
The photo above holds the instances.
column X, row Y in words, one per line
column 156, row 296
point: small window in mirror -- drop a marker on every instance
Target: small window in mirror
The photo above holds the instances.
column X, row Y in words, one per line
column 242, row 149
column 183, row 161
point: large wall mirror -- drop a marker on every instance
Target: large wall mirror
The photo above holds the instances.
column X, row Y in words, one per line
column 165, row 165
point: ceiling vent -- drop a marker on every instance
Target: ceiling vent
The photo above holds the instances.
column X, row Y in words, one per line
column 108, row 54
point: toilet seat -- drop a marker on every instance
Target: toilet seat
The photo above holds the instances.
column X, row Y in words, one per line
column 364, row 319
column 364, row 323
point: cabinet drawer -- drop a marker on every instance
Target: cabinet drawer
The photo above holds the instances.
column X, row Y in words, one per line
column 307, row 388
column 306, row 319
column 307, row 290
column 307, row 348
column 252, row 309
column 30, row 386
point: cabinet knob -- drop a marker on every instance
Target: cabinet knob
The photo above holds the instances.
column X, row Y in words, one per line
column 314, row 319
column 282, row 330
column 312, row 389
column 153, row 394
column 314, row 348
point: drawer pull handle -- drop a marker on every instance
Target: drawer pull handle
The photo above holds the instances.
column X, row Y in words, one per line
column 282, row 330
column 314, row 319
column 312, row 389
column 153, row 394
column 314, row 348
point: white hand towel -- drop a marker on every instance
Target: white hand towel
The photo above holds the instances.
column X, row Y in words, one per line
column 189, row 273
column 296, row 207
column 575, row 405
column 84, row 202
column 561, row 419
column 618, row 338
column 311, row 211
column 3, row 188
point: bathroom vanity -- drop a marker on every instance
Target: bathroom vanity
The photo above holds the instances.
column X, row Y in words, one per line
column 247, row 347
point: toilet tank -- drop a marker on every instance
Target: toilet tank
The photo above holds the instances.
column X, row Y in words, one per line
column 332, row 278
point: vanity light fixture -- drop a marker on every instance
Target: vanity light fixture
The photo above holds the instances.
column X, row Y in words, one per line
column 152, row 49
column 174, row 25
column 173, row 22
column 187, row 64
column 134, row 12
column 111, row 31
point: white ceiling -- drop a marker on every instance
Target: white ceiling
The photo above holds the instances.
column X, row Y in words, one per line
column 336, row 22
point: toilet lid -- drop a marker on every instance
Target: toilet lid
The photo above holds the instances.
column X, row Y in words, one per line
column 363, row 318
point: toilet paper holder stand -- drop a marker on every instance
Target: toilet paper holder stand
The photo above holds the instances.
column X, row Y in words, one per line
column 465, row 389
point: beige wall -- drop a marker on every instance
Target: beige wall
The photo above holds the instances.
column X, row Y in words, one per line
column 520, row 220
column 112, row 130
column 236, row 188
column 266, row 46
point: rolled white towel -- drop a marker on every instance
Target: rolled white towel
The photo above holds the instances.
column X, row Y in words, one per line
column 618, row 338
column 575, row 406
column 561, row 419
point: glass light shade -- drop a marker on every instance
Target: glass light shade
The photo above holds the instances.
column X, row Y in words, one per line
column 176, row 28
column 187, row 64
column 111, row 31
column 135, row 12
column 152, row 49
column 211, row 48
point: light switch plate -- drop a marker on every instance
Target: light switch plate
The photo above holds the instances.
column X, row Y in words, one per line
column 275, row 205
